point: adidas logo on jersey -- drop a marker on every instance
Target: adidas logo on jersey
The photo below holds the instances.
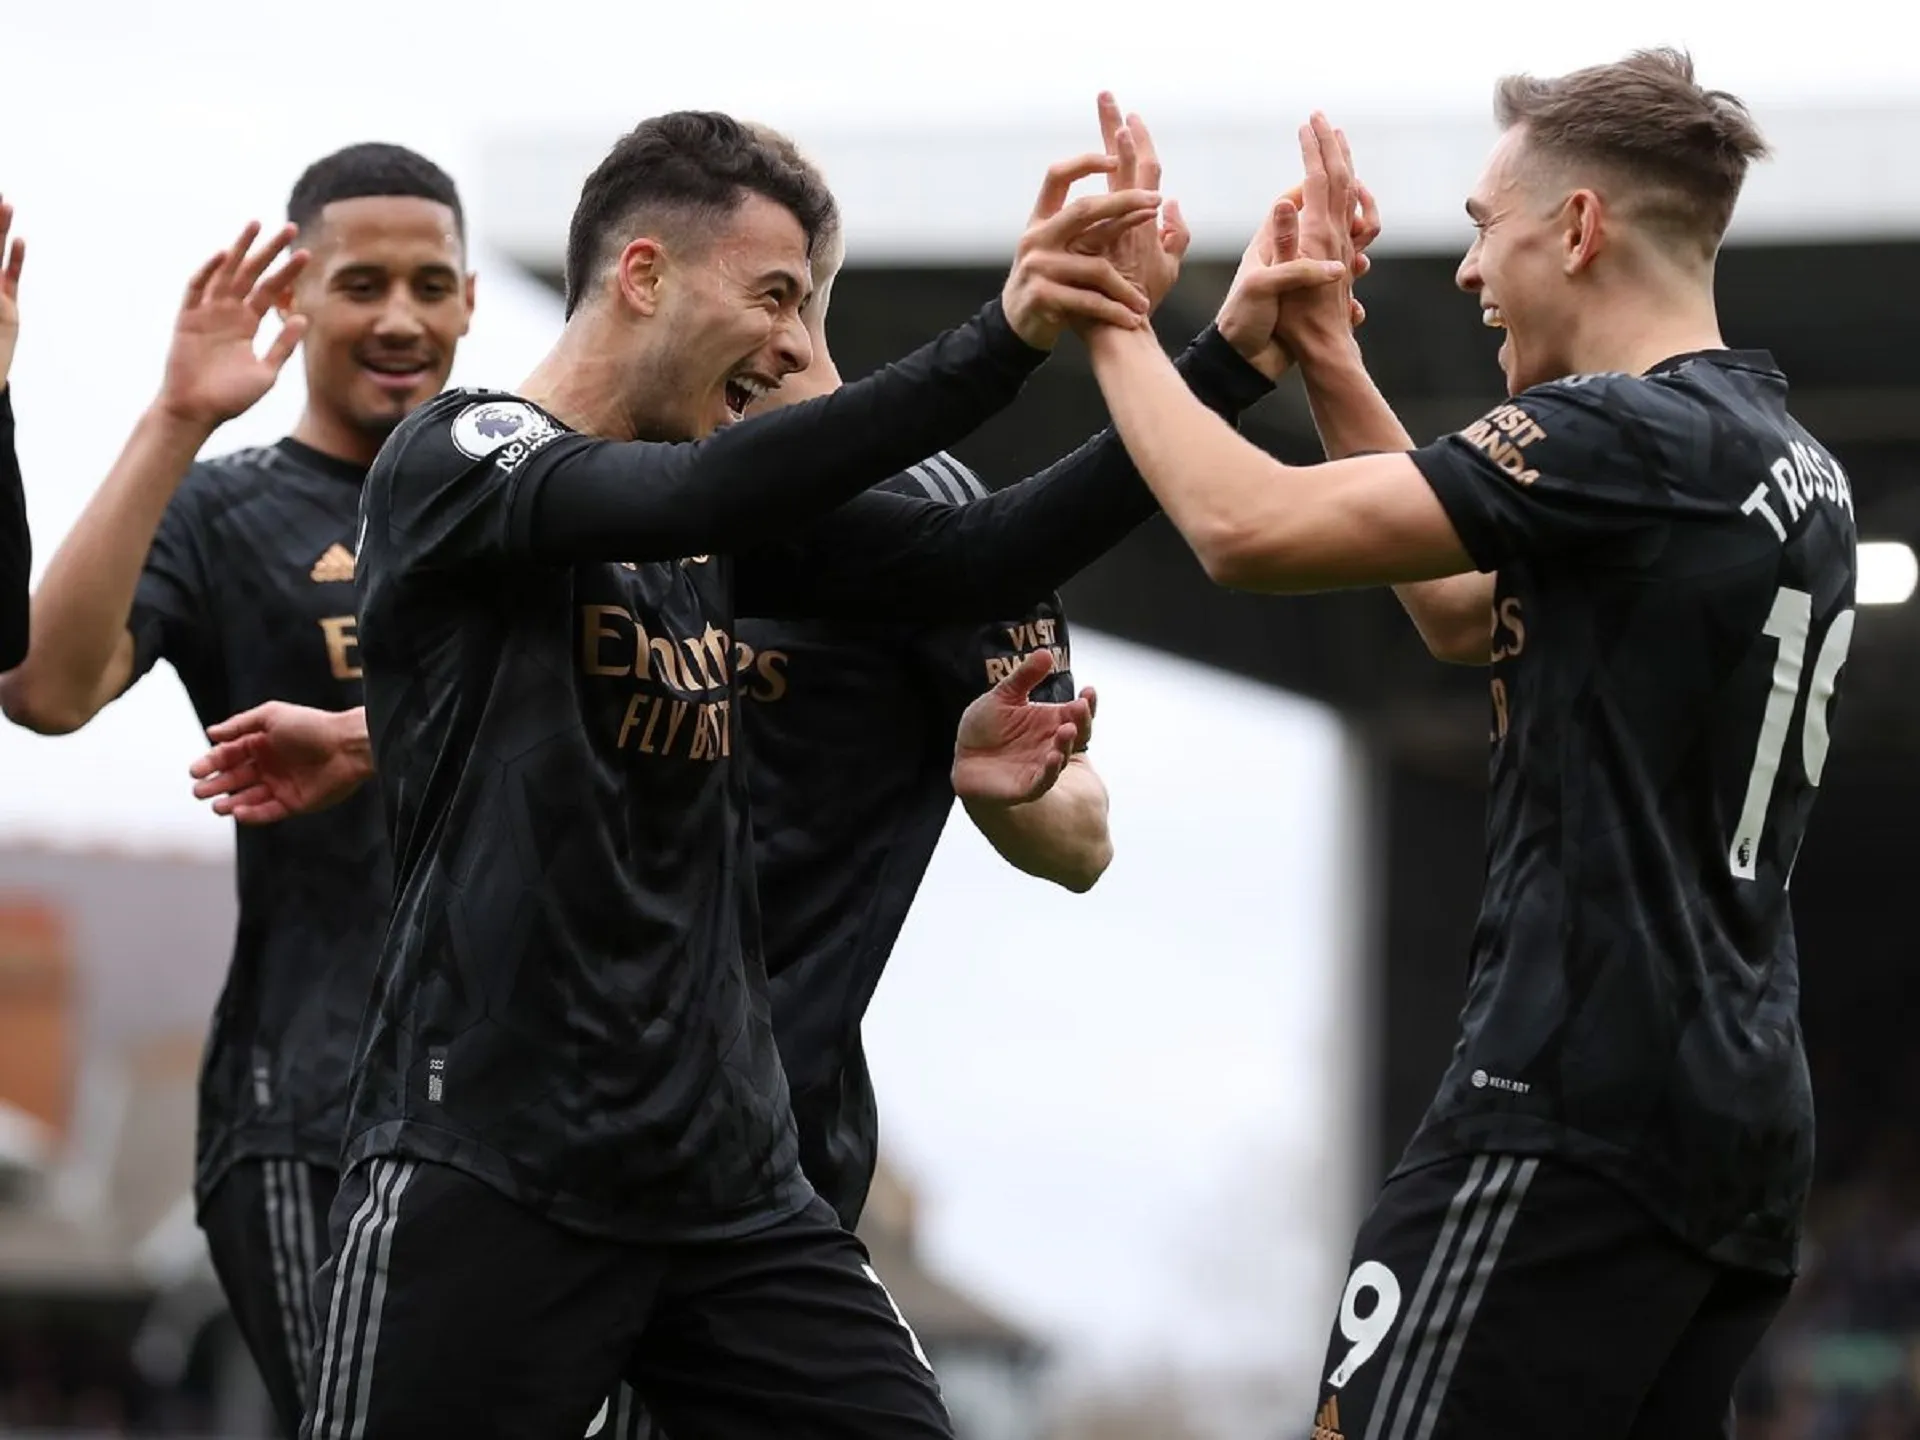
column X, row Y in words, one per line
column 1326, row 1425
column 336, row 564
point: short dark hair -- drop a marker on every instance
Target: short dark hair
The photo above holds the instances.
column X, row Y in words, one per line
column 372, row 169
column 1647, row 119
column 700, row 163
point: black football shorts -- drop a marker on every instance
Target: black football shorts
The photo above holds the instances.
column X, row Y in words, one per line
column 449, row 1310
column 1507, row 1297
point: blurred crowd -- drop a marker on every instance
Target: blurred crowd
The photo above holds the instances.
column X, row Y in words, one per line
column 1843, row 1360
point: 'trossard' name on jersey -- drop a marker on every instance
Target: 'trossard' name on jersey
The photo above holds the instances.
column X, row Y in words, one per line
column 1802, row 476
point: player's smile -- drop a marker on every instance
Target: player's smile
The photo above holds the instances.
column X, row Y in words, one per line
column 1494, row 319
column 400, row 375
column 745, row 387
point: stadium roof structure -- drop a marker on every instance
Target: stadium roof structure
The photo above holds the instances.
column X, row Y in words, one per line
column 922, row 194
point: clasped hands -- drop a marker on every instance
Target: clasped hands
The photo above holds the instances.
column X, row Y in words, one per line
column 1111, row 258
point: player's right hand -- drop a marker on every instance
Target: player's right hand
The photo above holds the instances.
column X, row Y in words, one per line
column 279, row 760
column 15, row 257
column 1063, row 272
column 1148, row 255
column 212, row 372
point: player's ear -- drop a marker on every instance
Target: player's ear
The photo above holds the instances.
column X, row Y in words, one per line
column 1583, row 230
column 641, row 274
column 466, row 320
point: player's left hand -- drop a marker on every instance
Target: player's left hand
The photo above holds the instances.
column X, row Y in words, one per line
column 1010, row 747
column 1063, row 271
column 14, row 256
column 279, row 760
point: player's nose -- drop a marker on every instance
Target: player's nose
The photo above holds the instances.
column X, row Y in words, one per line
column 793, row 346
column 399, row 319
column 1467, row 277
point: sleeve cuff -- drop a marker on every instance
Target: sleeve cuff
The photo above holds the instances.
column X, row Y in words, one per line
column 1003, row 342
column 1220, row 375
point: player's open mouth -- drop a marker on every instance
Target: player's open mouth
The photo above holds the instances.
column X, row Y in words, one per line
column 397, row 375
column 743, row 390
column 1491, row 317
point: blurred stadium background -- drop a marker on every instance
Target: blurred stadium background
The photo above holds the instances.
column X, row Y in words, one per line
column 1128, row 1134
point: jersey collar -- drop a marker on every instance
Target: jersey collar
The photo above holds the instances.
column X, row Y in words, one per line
column 1760, row 361
column 309, row 458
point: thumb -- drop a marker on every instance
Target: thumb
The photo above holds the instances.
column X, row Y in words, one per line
column 291, row 329
column 1283, row 233
column 1175, row 237
column 1292, row 275
column 1027, row 674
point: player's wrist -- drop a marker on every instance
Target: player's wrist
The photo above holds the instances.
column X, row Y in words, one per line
column 1115, row 342
column 173, row 418
column 1324, row 351
column 351, row 743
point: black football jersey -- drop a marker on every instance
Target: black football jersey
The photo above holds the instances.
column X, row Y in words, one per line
column 850, row 729
column 1674, row 602
column 248, row 594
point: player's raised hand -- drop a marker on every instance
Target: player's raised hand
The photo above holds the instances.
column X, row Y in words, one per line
column 1337, row 219
column 1010, row 748
column 278, row 760
column 1149, row 256
column 12, row 257
column 1271, row 270
column 1063, row 271
column 212, row 372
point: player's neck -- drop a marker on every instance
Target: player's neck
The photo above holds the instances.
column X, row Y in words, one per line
column 1629, row 333
column 333, row 437
column 582, row 384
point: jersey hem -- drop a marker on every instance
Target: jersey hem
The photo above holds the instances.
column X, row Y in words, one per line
column 214, row 1161
column 1526, row 1135
column 410, row 1140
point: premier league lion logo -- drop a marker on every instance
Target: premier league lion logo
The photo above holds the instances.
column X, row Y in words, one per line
column 481, row 429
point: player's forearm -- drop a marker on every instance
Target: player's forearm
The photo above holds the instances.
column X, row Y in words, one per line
column 1453, row 615
column 1224, row 495
column 80, row 611
column 760, row 479
column 16, row 543
column 1062, row 836
column 998, row 555
column 994, row 556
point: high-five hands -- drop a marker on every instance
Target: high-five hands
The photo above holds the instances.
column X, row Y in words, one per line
column 1064, row 271
column 13, row 257
column 1148, row 255
column 1337, row 221
column 1258, row 305
column 212, row 372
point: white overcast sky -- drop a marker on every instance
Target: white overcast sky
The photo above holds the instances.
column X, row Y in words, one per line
column 1101, row 1096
